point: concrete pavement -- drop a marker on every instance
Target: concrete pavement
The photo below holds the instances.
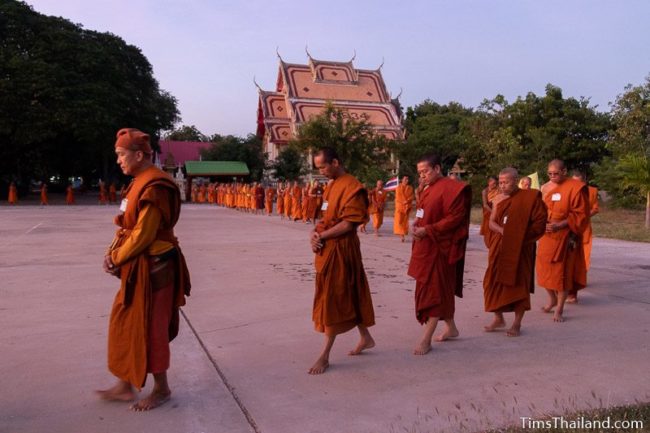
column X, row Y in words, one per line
column 241, row 367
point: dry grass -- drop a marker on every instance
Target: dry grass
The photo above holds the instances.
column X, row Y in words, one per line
column 625, row 224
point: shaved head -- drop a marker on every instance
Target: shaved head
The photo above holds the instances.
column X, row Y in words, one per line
column 510, row 172
column 557, row 163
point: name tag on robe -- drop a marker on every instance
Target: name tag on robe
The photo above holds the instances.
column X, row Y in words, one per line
column 419, row 213
column 324, row 206
column 505, row 219
column 123, row 205
column 556, row 197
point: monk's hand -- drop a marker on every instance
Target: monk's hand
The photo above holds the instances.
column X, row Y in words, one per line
column 109, row 267
column 553, row 226
column 419, row 232
column 316, row 242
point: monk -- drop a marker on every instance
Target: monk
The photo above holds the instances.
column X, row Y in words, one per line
column 44, row 200
column 202, row 192
column 517, row 220
column 258, row 193
column 342, row 300
column 12, row 198
column 377, row 205
column 560, row 257
column 440, row 233
column 587, row 236
column 525, row 182
column 288, row 200
column 69, row 195
column 487, row 196
column 404, row 195
column 296, row 203
column 103, row 197
column 269, row 196
column 112, row 193
column 147, row 258
column 279, row 203
column 195, row 193
column 317, row 195
column 305, row 203
column 362, row 227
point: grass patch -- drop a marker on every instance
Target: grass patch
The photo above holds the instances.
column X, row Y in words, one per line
column 624, row 224
column 638, row 412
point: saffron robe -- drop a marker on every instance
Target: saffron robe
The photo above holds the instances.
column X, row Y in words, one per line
column 305, row 203
column 587, row 236
column 258, row 194
column 485, row 222
column 112, row 193
column 342, row 299
column 13, row 194
column 279, row 202
column 377, row 204
column 131, row 315
column 560, row 258
column 44, row 195
column 508, row 280
column 296, row 204
column 69, row 195
column 269, row 195
column 288, row 201
column 438, row 259
column 403, row 203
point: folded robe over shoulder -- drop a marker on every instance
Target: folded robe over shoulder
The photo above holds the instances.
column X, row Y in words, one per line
column 342, row 299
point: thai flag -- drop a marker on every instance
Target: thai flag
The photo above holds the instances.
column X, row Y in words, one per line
column 391, row 184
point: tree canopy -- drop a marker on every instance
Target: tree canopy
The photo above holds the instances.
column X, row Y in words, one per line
column 65, row 92
column 233, row 148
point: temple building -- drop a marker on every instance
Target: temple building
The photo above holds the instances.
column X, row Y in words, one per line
column 302, row 91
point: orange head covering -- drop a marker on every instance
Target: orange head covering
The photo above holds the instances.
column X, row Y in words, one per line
column 133, row 139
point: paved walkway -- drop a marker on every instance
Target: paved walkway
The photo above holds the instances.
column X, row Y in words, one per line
column 241, row 365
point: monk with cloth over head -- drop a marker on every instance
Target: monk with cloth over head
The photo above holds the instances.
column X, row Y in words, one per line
column 560, row 257
column 588, row 235
column 342, row 300
column 377, row 205
column 404, row 195
column 440, row 233
column 146, row 256
column 517, row 220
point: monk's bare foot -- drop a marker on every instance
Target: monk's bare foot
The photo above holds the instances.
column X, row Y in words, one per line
column 447, row 335
column 320, row 366
column 572, row 300
column 155, row 399
column 497, row 323
column 557, row 317
column 364, row 343
column 514, row 331
column 422, row 348
column 118, row 392
column 548, row 308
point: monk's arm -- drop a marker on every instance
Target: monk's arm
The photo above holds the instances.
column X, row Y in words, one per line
column 578, row 217
column 456, row 216
column 486, row 205
column 494, row 226
column 537, row 224
column 338, row 230
column 142, row 235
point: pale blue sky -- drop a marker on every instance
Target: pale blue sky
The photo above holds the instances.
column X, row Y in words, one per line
column 206, row 52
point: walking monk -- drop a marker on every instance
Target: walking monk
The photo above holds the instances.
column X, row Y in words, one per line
column 560, row 258
column 269, row 195
column 112, row 193
column 403, row 203
column 145, row 255
column 342, row 300
column 280, row 200
column 440, row 233
column 12, row 198
column 69, row 195
column 487, row 196
column 517, row 220
column 296, row 204
column 587, row 236
column 377, row 204
column 44, row 200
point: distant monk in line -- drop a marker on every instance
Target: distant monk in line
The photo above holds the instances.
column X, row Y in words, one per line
column 440, row 233
column 44, row 200
column 560, row 257
column 587, row 236
column 487, row 196
column 377, row 205
column 147, row 258
column 103, row 196
column 517, row 220
column 269, row 196
column 342, row 300
column 525, row 183
column 296, row 204
column 69, row 195
column 112, row 193
column 317, row 192
column 280, row 200
column 288, row 200
column 12, row 197
column 404, row 195
column 258, row 193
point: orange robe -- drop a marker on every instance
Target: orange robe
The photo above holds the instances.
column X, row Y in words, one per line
column 154, row 279
column 112, row 193
column 377, row 204
column 259, row 197
column 201, row 195
column 560, row 257
column 280, row 201
column 296, row 204
column 438, row 260
column 508, row 280
column 587, row 236
column 195, row 193
column 13, row 195
column 305, row 204
column 103, row 198
column 318, row 201
column 44, row 195
column 69, row 195
column 288, row 201
column 403, row 204
column 342, row 299
column 269, row 195
column 485, row 223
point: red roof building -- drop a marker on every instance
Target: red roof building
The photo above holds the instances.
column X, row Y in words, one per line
column 303, row 90
column 175, row 153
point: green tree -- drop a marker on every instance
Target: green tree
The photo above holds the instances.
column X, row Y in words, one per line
column 290, row 164
column 233, row 148
column 186, row 133
column 626, row 174
column 65, row 92
column 364, row 153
